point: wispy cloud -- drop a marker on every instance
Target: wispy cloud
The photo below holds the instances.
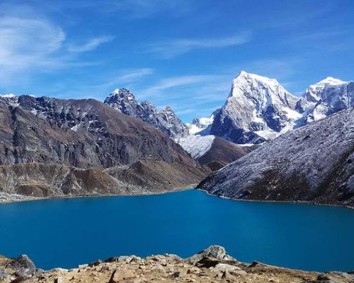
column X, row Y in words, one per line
column 31, row 44
column 330, row 39
column 143, row 8
column 193, row 94
column 28, row 42
column 169, row 49
column 162, row 86
column 92, row 44
column 102, row 85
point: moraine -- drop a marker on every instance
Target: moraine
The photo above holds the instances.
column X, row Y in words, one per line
column 69, row 232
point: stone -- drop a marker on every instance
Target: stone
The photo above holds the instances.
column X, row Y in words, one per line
column 121, row 274
column 95, row 263
column 23, row 265
column 231, row 269
column 3, row 274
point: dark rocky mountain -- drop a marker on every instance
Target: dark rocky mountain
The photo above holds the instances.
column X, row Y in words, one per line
column 166, row 120
column 314, row 163
column 81, row 133
column 61, row 147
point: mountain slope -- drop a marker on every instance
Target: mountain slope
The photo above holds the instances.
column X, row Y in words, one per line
column 45, row 136
column 257, row 109
column 212, row 151
column 81, row 133
column 313, row 163
column 166, row 120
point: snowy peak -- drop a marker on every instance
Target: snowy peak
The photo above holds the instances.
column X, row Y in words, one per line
column 258, row 108
column 122, row 100
column 324, row 98
column 201, row 126
column 264, row 90
column 331, row 81
column 125, row 102
column 255, row 79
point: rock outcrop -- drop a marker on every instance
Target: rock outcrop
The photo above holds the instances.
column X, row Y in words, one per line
column 314, row 163
column 210, row 265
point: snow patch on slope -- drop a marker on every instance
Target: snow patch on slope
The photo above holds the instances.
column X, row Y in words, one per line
column 196, row 146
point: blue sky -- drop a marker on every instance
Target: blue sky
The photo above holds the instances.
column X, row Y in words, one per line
column 182, row 53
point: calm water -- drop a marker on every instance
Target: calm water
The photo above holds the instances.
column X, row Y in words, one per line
column 69, row 232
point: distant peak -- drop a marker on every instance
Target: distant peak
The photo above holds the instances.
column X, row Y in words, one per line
column 168, row 109
column 9, row 95
column 255, row 77
column 331, row 81
column 120, row 91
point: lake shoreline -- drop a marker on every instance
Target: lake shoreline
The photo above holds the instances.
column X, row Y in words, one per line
column 279, row 201
column 210, row 265
column 13, row 198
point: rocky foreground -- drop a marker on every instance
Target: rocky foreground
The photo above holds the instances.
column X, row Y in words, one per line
column 210, row 265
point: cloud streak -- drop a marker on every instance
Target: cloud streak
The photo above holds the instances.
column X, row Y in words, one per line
column 92, row 44
column 28, row 42
column 173, row 48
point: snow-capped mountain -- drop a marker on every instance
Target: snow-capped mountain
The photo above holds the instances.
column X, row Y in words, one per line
column 166, row 120
column 257, row 109
column 201, row 126
column 325, row 98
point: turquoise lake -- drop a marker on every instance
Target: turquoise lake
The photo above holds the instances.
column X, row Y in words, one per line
column 68, row 232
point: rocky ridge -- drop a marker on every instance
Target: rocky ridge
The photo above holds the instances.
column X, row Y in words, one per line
column 210, row 265
column 313, row 163
column 166, row 120
column 54, row 147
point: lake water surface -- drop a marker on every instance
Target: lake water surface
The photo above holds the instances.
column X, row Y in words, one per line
column 68, row 232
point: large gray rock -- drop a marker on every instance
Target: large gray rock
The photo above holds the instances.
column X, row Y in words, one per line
column 209, row 257
column 3, row 274
column 23, row 265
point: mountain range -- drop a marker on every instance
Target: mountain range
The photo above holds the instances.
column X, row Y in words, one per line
column 259, row 108
column 55, row 147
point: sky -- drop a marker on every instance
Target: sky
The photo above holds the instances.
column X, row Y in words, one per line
column 181, row 53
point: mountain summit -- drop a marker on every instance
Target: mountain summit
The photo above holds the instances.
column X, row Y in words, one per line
column 166, row 120
column 324, row 98
column 258, row 108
